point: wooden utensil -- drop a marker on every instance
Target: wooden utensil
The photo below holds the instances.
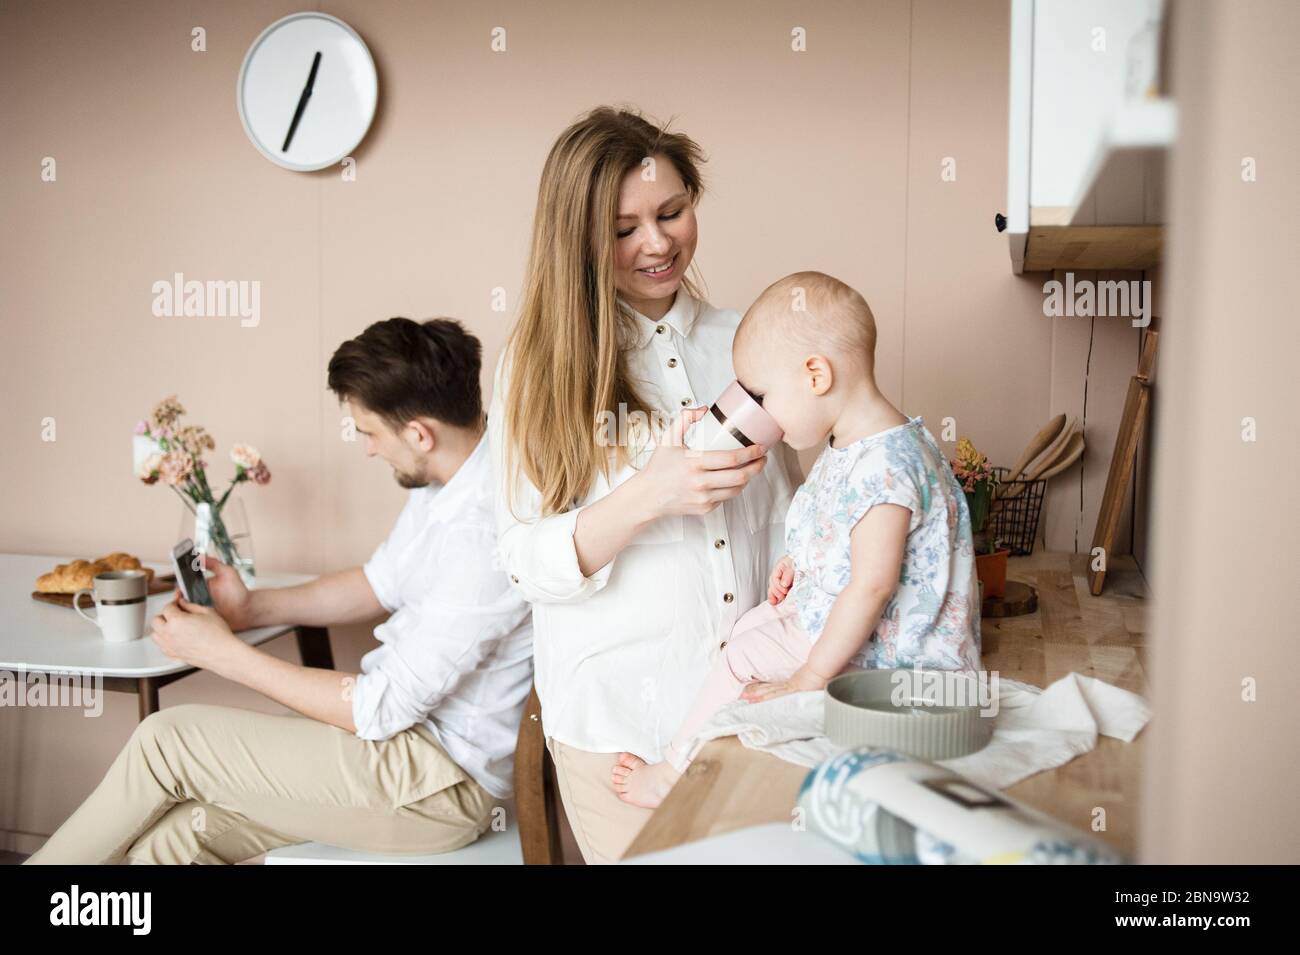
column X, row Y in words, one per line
column 1040, row 441
column 1046, row 460
column 1137, row 406
column 1069, row 455
column 1054, row 449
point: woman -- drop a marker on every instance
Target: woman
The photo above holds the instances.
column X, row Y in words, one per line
column 638, row 557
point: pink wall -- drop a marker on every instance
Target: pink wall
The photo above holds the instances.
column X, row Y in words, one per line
column 1221, row 773
column 828, row 159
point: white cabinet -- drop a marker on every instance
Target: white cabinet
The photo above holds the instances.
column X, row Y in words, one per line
column 1087, row 134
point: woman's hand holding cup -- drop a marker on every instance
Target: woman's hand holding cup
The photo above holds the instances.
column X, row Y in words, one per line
column 678, row 480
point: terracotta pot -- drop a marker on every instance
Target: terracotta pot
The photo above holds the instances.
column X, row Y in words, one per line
column 992, row 572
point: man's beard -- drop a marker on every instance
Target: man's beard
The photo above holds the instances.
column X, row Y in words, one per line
column 409, row 481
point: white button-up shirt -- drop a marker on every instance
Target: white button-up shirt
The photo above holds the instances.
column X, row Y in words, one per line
column 620, row 655
column 456, row 654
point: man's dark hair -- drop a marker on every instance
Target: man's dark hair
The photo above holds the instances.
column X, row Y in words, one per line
column 401, row 369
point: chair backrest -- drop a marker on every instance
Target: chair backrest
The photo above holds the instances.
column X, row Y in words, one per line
column 537, row 799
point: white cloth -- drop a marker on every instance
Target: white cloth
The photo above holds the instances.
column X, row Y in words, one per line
column 456, row 654
column 620, row 654
column 1035, row 729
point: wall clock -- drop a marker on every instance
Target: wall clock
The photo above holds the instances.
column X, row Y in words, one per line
column 307, row 91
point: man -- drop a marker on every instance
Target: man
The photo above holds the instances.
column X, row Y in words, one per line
column 410, row 754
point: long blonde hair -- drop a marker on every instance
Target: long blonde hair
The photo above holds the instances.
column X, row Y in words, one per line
column 564, row 355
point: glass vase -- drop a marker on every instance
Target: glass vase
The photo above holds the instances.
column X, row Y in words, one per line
column 222, row 533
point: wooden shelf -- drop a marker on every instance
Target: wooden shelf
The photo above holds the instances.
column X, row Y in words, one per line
column 1129, row 247
column 1115, row 220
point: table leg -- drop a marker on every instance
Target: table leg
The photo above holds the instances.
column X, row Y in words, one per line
column 147, row 690
column 314, row 647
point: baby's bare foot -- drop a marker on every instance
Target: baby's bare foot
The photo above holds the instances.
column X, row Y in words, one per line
column 641, row 783
column 624, row 765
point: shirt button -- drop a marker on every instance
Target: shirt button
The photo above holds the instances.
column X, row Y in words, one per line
column 514, row 578
column 728, row 598
column 659, row 329
column 672, row 362
column 719, row 543
column 722, row 645
column 686, row 402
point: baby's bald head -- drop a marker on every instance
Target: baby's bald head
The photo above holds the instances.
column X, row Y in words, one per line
column 814, row 313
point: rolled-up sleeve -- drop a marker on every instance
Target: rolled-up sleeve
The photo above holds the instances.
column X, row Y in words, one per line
column 538, row 553
column 436, row 641
column 379, row 573
column 381, row 570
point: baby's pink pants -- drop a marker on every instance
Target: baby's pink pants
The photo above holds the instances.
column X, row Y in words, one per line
column 767, row 644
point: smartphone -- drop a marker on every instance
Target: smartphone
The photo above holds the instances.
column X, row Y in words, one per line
column 189, row 573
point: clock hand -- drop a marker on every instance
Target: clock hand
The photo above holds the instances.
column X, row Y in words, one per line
column 302, row 102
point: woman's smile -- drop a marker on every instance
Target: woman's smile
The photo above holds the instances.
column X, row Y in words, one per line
column 659, row 273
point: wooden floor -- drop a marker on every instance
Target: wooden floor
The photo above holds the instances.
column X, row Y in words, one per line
column 1104, row 637
column 729, row 787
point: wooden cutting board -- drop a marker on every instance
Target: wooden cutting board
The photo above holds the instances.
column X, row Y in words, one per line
column 160, row 584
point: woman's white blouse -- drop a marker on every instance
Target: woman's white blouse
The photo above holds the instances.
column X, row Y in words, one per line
column 620, row 655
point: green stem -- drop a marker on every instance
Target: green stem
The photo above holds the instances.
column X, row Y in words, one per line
column 221, row 538
column 202, row 480
column 187, row 502
column 222, row 502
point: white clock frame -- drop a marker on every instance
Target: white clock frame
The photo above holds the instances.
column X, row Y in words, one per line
column 358, row 125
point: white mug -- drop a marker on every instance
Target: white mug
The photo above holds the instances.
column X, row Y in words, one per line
column 120, row 597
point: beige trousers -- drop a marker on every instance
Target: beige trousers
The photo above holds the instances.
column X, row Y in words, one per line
column 603, row 825
column 213, row 784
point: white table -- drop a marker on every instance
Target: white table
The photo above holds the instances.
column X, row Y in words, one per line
column 39, row 637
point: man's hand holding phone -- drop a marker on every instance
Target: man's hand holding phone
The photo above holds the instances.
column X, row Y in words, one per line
column 230, row 598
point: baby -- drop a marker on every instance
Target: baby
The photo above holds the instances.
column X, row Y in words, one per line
column 880, row 569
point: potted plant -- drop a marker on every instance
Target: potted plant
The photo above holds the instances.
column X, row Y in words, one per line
column 171, row 454
column 978, row 482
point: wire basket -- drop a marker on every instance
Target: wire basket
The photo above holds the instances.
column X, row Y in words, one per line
column 1014, row 520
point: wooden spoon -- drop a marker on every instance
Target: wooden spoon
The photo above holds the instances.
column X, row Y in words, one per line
column 1054, row 450
column 1047, row 459
column 1073, row 451
column 1035, row 447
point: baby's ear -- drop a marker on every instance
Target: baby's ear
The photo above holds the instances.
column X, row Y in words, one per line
column 820, row 376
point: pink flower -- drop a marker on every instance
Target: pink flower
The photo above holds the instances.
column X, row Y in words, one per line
column 195, row 440
column 149, row 469
column 260, row 474
column 245, row 456
column 175, row 467
column 167, row 411
column 142, row 427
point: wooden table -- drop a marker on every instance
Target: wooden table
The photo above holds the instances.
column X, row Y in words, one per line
column 37, row 637
column 730, row 787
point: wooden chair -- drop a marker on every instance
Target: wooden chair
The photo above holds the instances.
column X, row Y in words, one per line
column 537, row 797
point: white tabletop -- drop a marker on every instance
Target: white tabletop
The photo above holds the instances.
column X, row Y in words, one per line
column 39, row 636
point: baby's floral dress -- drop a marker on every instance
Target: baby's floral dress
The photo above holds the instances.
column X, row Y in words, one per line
column 933, row 618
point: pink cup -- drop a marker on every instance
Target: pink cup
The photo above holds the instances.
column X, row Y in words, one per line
column 735, row 420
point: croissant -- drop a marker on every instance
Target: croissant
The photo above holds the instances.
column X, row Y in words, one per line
column 80, row 574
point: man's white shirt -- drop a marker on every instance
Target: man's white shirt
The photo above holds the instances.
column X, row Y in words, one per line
column 456, row 654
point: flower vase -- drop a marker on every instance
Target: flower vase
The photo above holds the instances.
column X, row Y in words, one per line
column 224, row 534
